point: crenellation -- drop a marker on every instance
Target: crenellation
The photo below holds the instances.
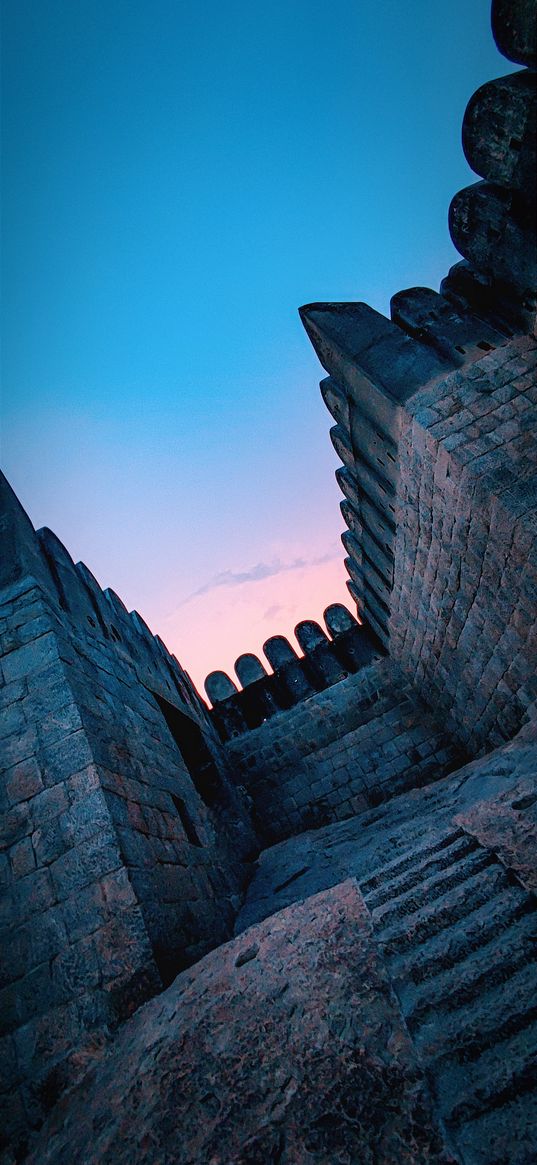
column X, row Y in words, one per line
column 429, row 317
column 495, row 233
column 499, row 131
column 249, row 669
column 514, row 28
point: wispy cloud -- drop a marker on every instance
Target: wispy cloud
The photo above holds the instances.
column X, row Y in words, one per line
column 236, row 578
column 272, row 612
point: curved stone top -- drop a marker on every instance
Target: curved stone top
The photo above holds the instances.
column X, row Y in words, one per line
column 249, row 668
column 514, row 28
column 279, row 651
column 498, row 131
column 338, row 619
column 218, row 686
column 310, row 635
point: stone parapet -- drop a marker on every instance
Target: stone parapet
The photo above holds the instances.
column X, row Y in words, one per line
column 326, row 659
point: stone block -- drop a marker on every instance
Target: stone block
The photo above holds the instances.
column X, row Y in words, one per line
column 62, row 758
column 12, row 721
column 76, row 969
column 85, row 911
column 48, row 804
column 332, row 969
column 48, row 1038
column 48, row 842
column 23, row 781
column 33, row 894
column 22, row 858
column 86, row 863
column 30, row 659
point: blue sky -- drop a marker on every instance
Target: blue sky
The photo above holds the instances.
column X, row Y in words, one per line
column 178, row 179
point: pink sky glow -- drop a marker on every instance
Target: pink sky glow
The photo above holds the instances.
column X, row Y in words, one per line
column 211, row 629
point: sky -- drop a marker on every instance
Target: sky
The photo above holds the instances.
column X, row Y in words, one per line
column 179, row 177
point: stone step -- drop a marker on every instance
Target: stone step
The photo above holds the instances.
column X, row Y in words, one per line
column 431, row 842
column 464, row 1034
column 430, row 888
column 504, row 1072
column 449, row 909
column 510, row 1140
column 413, row 876
column 488, row 965
column 446, row 950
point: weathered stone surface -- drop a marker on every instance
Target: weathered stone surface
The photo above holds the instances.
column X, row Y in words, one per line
column 319, row 858
column 507, row 824
column 286, row 1044
column 338, row 619
column 356, row 744
column 249, row 669
column 219, row 686
column 514, row 25
column 499, row 132
column 490, row 227
column 279, row 652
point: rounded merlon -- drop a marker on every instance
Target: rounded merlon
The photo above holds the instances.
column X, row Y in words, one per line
column 310, row 635
column 338, row 619
column 218, row 686
column 249, row 669
column 514, row 28
column 279, row 652
column 490, row 228
column 498, row 132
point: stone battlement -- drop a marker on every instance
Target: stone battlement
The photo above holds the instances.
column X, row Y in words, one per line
column 326, row 659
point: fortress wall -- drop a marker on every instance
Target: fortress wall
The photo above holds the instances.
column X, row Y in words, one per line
column 463, row 604
column 340, row 751
column 124, row 842
column 434, row 427
column 68, row 907
column 326, row 660
column 181, row 829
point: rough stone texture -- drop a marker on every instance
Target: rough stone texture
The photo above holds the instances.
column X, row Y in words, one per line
column 337, row 1080
column 319, row 858
column 445, row 881
column 354, row 745
column 463, row 624
column 507, row 824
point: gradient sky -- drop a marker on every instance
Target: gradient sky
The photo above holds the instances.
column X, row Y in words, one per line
column 178, row 178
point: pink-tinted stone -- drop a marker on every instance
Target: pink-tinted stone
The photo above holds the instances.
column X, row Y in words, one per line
column 285, row 1044
column 507, row 825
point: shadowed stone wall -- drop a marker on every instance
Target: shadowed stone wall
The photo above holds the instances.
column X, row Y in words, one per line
column 463, row 604
column 353, row 746
column 123, row 841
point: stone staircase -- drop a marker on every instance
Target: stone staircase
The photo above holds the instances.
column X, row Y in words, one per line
column 459, row 934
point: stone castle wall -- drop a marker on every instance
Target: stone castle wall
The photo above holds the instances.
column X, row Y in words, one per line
column 341, row 751
column 465, row 590
column 122, row 861
column 435, row 426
